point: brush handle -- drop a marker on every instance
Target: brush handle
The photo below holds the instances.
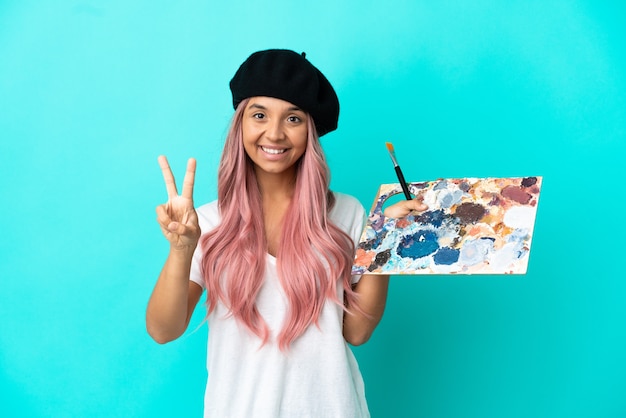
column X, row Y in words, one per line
column 405, row 188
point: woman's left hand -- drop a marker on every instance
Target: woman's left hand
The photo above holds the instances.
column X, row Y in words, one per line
column 404, row 207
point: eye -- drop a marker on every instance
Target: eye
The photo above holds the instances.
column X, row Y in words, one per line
column 294, row 119
column 258, row 115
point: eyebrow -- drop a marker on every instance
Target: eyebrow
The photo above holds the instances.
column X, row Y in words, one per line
column 259, row 106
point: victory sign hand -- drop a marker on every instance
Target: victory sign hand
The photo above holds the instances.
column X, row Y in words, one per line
column 177, row 217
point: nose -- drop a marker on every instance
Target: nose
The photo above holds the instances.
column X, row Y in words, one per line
column 275, row 130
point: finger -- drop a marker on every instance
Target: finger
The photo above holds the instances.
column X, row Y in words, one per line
column 179, row 229
column 189, row 179
column 162, row 216
column 173, row 227
column 418, row 205
column 170, row 184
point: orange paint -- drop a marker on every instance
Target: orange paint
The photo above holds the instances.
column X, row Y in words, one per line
column 364, row 258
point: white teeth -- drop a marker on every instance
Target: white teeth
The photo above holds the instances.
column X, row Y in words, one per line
column 273, row 151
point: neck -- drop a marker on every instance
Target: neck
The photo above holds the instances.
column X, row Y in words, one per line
column 276, row 186
column 277, row 192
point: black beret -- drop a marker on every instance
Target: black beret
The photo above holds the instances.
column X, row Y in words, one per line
column 287, row 75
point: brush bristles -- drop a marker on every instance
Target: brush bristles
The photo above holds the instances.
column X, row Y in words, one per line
column 392, row 154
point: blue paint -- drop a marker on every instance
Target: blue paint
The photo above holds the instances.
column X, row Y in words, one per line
column 446, row 256
column 448, row 198
column 441, row 185
column 476, row 251
column 377, row 221
column 418, row 245
column 373, row 243
column 434, row 218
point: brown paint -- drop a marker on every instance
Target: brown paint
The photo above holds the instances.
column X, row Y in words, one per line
column 469, row 213
column 516, row 194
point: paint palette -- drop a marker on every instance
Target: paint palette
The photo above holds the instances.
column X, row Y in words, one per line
column 472, row 226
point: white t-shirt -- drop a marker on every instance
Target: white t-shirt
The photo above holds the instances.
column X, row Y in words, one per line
column 317, row 377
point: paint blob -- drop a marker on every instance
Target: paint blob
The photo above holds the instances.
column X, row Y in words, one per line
column 470, row 213
column 446, row 256
column 419, row 245
column 475, row 251
column 520, row 217
column 516, row 194
column 529, row 181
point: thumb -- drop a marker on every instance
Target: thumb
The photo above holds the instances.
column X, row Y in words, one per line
column 176, row 228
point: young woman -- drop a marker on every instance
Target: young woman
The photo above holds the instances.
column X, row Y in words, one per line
column 274, row 253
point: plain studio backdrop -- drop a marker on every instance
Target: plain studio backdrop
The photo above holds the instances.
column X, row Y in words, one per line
column 91, row 92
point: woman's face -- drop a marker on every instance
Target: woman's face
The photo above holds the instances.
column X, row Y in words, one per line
column 274, row 134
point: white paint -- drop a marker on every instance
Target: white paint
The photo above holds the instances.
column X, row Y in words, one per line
column 520, row 217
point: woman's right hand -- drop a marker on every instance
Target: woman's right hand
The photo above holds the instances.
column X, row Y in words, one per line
column 177, row 217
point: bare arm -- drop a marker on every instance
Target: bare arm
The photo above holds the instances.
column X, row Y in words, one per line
column 174, row 296
column 173, row 299
column 372, row 292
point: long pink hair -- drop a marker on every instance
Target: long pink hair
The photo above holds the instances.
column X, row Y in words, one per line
column 314, row 254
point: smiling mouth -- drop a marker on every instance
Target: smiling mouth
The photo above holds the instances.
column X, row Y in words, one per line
column 273, row 151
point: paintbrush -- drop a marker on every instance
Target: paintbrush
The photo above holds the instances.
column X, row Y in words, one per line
column 405, row 187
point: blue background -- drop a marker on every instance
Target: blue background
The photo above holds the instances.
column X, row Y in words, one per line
column 91, row 92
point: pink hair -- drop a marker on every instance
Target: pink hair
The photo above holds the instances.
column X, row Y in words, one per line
column 234, row 252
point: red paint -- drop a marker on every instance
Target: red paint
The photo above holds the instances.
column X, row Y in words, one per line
column 516, row 194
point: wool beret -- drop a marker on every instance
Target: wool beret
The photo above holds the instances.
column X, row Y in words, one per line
column 287, row 75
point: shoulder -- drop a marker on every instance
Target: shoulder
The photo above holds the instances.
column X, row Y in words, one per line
column 347, row 213
column 346, row 202
column 208, row 216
